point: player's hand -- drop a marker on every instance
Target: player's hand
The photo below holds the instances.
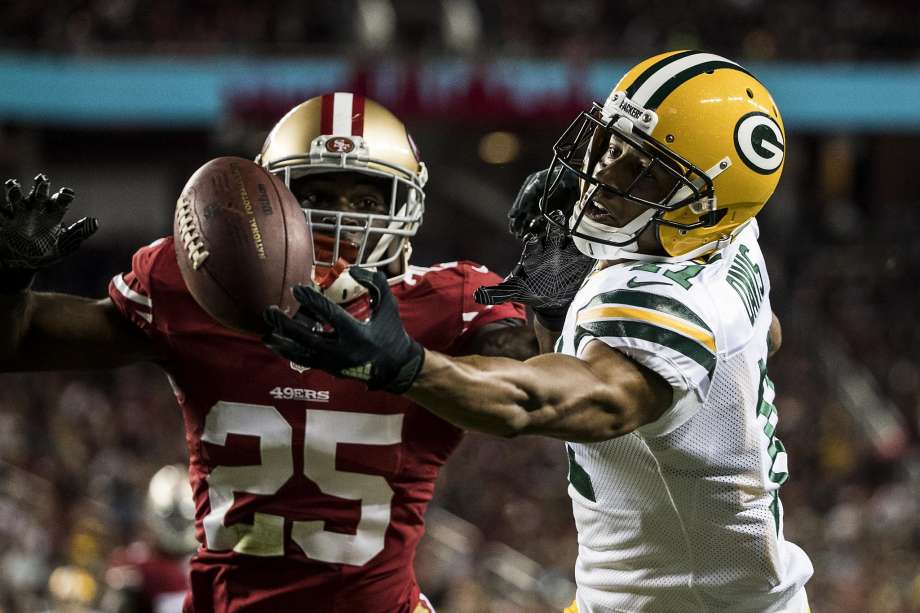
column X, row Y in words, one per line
column 526, row 215
column 31, row 233
column 546, row 278
column 323, row 335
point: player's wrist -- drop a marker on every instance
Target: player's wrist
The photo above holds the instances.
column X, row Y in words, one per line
column 551, row 319
column 408, row 371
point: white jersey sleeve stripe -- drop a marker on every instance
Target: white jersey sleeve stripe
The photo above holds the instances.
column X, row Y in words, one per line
column 129, row 293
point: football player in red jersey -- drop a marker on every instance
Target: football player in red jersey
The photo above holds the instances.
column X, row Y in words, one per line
column 151, row 574
column 310, row 491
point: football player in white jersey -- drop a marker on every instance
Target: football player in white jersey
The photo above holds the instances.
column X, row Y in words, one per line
column 658, row 380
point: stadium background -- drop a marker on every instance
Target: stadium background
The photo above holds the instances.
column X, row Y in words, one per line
column 123, row 99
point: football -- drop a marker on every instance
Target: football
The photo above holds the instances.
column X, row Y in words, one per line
column 242, row 242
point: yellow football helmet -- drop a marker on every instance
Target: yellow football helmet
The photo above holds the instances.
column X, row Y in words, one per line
column 703, row 119
column 344, row 132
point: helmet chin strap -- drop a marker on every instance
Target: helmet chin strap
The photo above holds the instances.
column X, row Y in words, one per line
column 603, row 251
column 342, row 287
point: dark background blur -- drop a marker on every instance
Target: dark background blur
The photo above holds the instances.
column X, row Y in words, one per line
column 124, row 99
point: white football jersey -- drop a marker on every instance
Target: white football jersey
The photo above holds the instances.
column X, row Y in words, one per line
column 683, row 514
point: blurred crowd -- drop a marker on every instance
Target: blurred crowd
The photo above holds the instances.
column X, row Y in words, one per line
column 848, row 30
column 76, row 454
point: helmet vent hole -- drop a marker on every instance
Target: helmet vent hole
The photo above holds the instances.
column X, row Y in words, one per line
column 710, row 71
column 669, row 138
column 749, row 93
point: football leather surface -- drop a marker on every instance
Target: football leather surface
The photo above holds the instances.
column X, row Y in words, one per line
column 242, row 242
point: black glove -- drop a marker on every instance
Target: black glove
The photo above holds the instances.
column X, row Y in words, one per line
column 323, row 335
column 546, row 278
column 525, row 216
column 31, row 234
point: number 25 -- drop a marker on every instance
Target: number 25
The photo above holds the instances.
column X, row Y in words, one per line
column 324, row 431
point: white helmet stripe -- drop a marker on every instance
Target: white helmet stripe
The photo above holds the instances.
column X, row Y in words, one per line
column 341, row 113
column 669, row 71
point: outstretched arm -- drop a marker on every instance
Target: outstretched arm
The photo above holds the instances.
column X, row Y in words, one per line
column 41, row 331
column 603, row 395
column 596, row 398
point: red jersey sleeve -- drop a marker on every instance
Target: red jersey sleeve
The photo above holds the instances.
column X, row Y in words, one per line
column 437, row 307
column 477, row 315
column 133, row 292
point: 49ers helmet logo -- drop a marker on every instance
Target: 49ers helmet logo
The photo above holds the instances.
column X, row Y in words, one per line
column 340, row 144
column 759, row 142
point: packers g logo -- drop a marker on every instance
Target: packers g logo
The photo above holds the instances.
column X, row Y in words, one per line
column 759, row 142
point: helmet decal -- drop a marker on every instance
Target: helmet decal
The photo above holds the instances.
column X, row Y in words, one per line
column 342, row 113
column 340, row 144
column 759, row 142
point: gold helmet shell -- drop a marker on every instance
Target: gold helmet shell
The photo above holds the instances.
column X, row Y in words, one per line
column 345, row 132
column 705, row 119
column 169, row 510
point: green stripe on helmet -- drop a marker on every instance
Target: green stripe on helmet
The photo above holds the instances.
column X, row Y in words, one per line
column 642, row 78
column 683, row 76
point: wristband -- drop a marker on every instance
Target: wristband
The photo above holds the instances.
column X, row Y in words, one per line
column 409, row 371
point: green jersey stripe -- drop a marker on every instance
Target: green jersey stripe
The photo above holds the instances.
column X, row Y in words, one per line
column 774, row 508
column 653, row 334
column 655, row 302
column 579, row 478
column 779, row 478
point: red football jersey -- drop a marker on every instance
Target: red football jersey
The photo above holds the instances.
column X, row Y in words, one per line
column 310, row 491
column 160, row 581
